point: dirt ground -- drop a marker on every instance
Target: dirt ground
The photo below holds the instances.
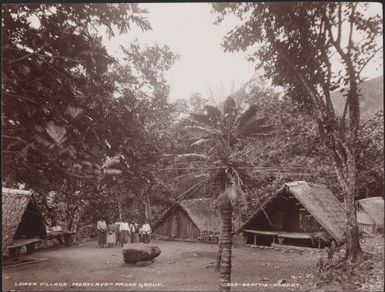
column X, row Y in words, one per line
column 180, row 267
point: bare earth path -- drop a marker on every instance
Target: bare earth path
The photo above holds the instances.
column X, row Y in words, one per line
column 180, row 267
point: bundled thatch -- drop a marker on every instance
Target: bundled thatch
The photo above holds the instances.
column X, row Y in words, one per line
column 14, row 205
column 193, row 219
column 319, row 202
column 202, row 214
column 374, row 209
column 364, row 219
column 192, row 192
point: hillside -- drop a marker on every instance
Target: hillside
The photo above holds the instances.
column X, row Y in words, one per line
column 371, row 99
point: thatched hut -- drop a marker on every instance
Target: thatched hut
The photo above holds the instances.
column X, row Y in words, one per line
column 300, row 213
column 370, row 215
column 21, row 219
column 190, row 220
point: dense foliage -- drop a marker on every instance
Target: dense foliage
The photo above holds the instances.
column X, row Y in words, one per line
column 72, row 115
column 92, row 135
column 299, row 46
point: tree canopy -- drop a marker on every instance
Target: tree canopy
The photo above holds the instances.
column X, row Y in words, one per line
column 70, row 110
column 300, row 46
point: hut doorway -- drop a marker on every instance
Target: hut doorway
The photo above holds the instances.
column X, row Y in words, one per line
column 299, row 213
column 31, row 223
column 281, row 214
column 283, row 221
column 23, row 225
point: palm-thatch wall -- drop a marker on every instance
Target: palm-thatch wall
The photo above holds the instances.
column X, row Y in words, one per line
column 20, row 217
column 300, row 207
column 189, row 220
column 370, row 214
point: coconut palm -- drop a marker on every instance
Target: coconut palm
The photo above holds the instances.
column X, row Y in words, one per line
column 221, row 130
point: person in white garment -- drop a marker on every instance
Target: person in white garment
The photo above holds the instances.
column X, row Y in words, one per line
column 124, row 231
column 146, row 232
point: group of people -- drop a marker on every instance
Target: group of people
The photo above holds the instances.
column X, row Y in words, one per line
column 120, row 233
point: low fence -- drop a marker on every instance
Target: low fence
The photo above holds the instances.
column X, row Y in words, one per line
column 209, row 237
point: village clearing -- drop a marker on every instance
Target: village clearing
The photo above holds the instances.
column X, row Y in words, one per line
column 181, row 266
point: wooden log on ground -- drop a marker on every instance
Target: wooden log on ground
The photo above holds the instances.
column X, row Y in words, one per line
column 138, row 252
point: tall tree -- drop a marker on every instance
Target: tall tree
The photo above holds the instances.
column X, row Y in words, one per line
column 299, row 46
column 217, row 133
column 58, row 104
column 73, row 113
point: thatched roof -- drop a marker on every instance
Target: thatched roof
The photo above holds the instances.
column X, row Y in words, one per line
column 374, row 207
column 14, row 203
column 202, row 214
column 319, row 202
column 364, row 218
column 200, row 211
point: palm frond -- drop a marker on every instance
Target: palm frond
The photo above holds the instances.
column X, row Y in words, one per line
column 212, row 111
column 255, row 126
column 214, row 115
column 201, row 119
column 229, row 114
column 247, row 115
column 192, row 155
column 222, row 148
column 188, row 192
column 202, row 130
column 229, row 106
column 189, row 176
column 201, row 141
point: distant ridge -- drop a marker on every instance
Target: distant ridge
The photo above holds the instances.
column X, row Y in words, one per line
column 371, row 98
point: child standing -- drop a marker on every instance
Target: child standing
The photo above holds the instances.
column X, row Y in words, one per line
column 111, row 237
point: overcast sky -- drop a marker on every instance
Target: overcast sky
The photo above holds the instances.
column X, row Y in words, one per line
column 188, row 29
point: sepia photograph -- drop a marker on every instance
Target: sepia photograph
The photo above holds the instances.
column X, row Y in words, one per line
column 192, row 146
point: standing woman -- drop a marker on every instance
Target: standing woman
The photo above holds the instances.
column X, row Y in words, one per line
column 117, row 232
column 124, row 231
column 111, row 238
column 136, row 233
column 132, row 233
column 101, row 227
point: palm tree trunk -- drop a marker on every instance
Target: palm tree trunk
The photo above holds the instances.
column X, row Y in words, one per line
column 226, row 242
